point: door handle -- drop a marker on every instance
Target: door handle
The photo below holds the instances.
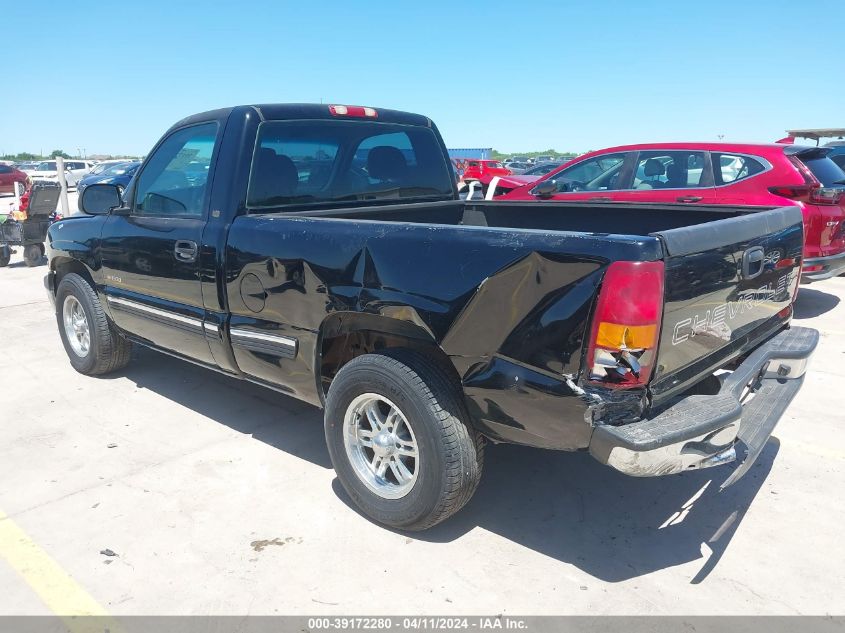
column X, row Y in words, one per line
column 601, row 199
column 689, row 199
column 185, row 251
column 752, row 262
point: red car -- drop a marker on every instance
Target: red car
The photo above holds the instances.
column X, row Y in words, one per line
column 10, row 175
column 484, row 170
column 715, row 173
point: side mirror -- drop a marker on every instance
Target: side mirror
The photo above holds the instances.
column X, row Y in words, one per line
column 100, row 199
column 545, row 189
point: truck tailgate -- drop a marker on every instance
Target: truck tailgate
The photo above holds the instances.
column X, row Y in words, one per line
column 729, row 284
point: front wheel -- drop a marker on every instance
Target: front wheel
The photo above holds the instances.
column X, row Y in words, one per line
column 91, row 342
column 399, row 439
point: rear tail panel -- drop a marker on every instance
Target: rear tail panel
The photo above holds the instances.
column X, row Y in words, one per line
column 729, row 284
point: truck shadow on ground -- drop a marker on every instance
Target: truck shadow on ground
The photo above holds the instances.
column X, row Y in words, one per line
column 564, row 505
column 812, row 303
column 270, row 417
column 614, row 527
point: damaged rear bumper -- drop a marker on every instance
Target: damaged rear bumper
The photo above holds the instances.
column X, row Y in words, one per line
column 700, row 431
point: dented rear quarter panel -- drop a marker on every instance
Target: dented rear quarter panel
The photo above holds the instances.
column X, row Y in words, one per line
column 508, row 307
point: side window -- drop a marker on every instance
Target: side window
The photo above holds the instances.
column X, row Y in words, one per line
column 174, row 179
column 669, row 170
column 5, row 169
column 729, row 168
column 600, row 173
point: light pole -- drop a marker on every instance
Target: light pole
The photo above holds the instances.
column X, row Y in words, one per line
column 78, row 153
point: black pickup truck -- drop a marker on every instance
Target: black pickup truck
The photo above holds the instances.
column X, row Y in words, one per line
column 323, row 251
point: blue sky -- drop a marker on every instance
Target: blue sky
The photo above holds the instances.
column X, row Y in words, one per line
column 515, row 76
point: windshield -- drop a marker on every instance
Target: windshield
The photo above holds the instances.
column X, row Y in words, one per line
column 48, row 166
column 318, row 162
column 118, row 169
column 99, row 168
column 541, row 170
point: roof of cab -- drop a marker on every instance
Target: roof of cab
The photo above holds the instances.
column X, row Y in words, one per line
column 294, row 111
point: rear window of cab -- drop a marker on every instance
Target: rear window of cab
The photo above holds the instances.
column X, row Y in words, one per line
column 333, row 162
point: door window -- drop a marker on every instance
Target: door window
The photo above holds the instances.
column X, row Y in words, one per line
column 175, row 178
column 600, row 173
column 669, row 170
column 730, row 168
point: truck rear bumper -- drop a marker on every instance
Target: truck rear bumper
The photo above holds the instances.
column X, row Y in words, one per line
column 700, row 431
column 823, row 267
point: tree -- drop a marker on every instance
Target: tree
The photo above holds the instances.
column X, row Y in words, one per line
column 59, row 152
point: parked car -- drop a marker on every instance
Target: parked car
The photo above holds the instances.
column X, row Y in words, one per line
column 715, row 173
column 117, row 173
column 837, row 153
column 484, row 170
column 9, row 176
column 102, row 165
column 26, row 166
column 422, row 323
column 74, row 170
column 518, row 168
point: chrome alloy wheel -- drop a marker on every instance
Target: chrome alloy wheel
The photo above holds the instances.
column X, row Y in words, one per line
column 381, row 446
column 76, row 326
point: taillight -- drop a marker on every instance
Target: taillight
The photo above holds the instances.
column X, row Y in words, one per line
column 793, row 192
column 813, row 193
column 356, row 111
column 825, row 195
column 626, row 324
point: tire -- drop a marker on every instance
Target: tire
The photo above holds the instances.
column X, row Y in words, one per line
column 32, row 255
column 106, row 350
column 5, row 255
column 450, row 453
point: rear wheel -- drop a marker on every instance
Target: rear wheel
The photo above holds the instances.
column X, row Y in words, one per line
column 32, row 255
column 92, row 344
column 399, row 439
column 5, row 255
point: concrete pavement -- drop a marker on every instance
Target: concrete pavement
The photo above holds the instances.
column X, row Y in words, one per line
column 217, row 497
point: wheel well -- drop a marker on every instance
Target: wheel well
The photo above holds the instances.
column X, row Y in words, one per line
column 344, row 337
column 65, row 266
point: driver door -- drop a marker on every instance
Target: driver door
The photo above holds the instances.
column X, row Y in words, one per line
column 151, row 248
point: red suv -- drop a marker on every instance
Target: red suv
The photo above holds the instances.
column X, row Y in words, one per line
column 10, row 175
column 484, row 170
column 715, row 173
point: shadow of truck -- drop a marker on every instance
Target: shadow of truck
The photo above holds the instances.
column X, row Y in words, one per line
column 564, row 505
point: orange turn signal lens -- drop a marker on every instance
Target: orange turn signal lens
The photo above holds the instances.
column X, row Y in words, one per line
column 616, row 336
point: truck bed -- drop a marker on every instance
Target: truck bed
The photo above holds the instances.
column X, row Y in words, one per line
column 586, row 217
column 449, row 269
